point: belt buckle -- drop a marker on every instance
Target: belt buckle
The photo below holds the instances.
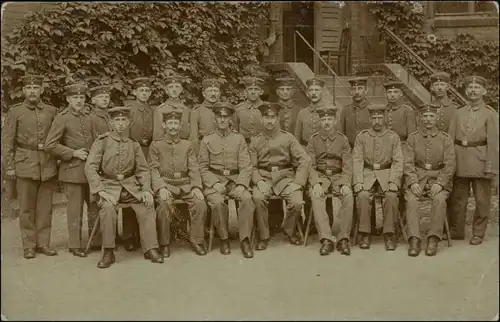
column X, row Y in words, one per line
column 328, row 172
column 428, row 166
column 177, row 175
column 120, row 177
column 226, row 172
column 464, row 142
column 40, row 146
column 274, row 169
column 376, row 166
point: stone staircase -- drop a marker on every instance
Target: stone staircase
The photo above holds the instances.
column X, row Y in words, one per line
column 341, row 89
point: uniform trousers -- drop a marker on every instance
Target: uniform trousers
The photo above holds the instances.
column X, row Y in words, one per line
column 390, row 208
column 437, row 215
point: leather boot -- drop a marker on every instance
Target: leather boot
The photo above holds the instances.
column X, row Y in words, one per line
column 46, row 250
column 343, row 247
column 199, row 249
column 432, row 246
column 78, row 252
column 153, row 256
column 29, row 253
column 164, row 251
column 326, row 247
column 476, row 240
column 246, row 249
column 294, row 240
column 224, row 247
column 364, row 242
column 262, row 244
column 108, row 258
column 415, row 246
column 390, row 243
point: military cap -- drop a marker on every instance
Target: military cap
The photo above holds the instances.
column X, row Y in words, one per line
column 210, row 82
column 102, row 89
column 174, row 78
column 32, row 80
column 393, row 85
column 142, row 82
column 223, row 108
column 356, row 81
column 376, row 109
column 315, row 81
column 75, row 89
column 428, row 108
column 327, row 111
column 172, row 114
column 285, row 81
column 252, row 81
column 475, row 79
column 267, row 107
column 440, row 77
column 119, row 111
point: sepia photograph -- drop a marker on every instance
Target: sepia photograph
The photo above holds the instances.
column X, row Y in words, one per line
column 250, row 160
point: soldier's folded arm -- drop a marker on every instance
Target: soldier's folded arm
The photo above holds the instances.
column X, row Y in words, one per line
column 298, row 153
column 157, row 181
column 244, row 164
column 142, row 172
column 194, row 169
column 52, row 142
column 450, row 162
column 8, row 139
column 313, row 174
column 92, row 166
column 208, row 178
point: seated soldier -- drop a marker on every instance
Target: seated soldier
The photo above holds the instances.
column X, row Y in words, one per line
column 331, row 171
column 273, row 154
column 117, row 172
column 377, row 168
column 175, row 174
column 428, row 170
column 226, row 170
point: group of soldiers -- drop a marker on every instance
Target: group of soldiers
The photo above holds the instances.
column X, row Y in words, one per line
column 144, row 158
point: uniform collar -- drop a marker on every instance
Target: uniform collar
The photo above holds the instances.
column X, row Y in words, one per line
column 433, row 132
column 314, row 107
column 254, row 104
column 328, row 135
column 175, row 102
column 381, row 133
column 142, row 106
column 361, row 104
column 169, row 139
column 102, row 112
column 222, row 134
column 288, row 104
column 445, row 101
column 32, row 106
column 477, row 106
column 77, row 113
column 271, row 134
column 395, row 105
column 208, row 105
column 118, row 138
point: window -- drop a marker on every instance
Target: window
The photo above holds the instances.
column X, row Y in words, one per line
column 463, row 7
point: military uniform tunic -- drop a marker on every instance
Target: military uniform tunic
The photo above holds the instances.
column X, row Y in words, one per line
column 141, row 124
column 101, row 123
column 247, row 119
column 447, row 109
column 202, row 123
column 288, row 115
column 353, row 119
column 401, row 119
column 158, row 131
column 307, row 124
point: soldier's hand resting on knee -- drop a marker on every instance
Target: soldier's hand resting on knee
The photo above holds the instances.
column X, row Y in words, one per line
column 238, row 191
column 107, row 197
column 345, row 190
column 435, row 189
column 358, row 187
column 220, row 188
column 263, row 187
column 196, row 192
column 147, row 198
column 318, row 191
column 417, row 191
column 165, row 194
column 393, row 187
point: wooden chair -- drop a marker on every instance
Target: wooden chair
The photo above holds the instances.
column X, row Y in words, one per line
column 343, row 54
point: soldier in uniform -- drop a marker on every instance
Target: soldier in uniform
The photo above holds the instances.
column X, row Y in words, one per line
column 428, row 170
column 118, row 173
column 331, row 171
column 226, row 170
column 447, row 108
column 377, row 167
column 202, row 117
column 140, row 130
column 273, row 153
column 175, row 174
column 101, row 99
column 69, row 139
column 355, row 117
column 474, row 129
column 24, row 136
column 247, row 116
column 307, row 119
column 174, row 89
column 288, row 115
column 401, row 118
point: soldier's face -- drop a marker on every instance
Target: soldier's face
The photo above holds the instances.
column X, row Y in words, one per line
column 101, row 100
column 270, row 120
column 429, row 119
column 393, row 94
column 358, row 92
column 172, row 126
column 142, row 93
column 211, row 94
column 475, row 91
column 76, row 101
column 32, row 92
column 439, row 89
column 120, row 124
column 315, row 93
column 327, row 123
column 378, row 121
column 254, row 93
column 284, row 92
column 174, row 90
column 222, row 121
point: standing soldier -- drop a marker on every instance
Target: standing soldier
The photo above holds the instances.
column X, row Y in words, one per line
column 273, row 153
column 428, row 170
column 175, row 174
column 118, row 173
column 140, row 130
column 355, row 117
column 307, row 119
column 247, row 115
column 331, row 171
column 202, row 117
column 474, row 129
column 377, row 167
column 174, row 89
column 226, row 170
column 69, row 139
column 439, row 89
column 24, row 136
column 401, row 118
column 288, row 115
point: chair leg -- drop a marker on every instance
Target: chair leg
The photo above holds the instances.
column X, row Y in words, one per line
column 211, row 233
column 92, row 233
column 308, row 226
column 447, row 230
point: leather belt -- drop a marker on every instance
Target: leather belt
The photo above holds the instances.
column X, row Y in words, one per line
column 378, row 166
column 276, row 168
column 466, row 143
column 329, row 171
column 39, row 147
column 118, row 177
column 429, row 166
column 225, row 172
column 177, row 175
